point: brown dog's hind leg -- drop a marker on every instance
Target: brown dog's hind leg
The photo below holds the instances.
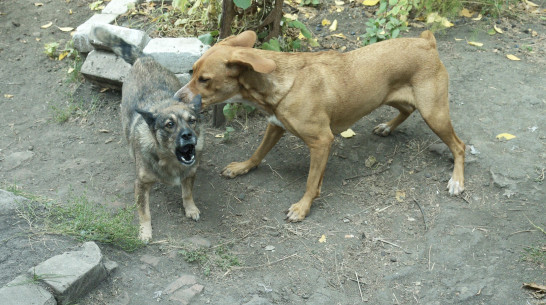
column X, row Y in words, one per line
column 320, row 149
column 187, row 198
column 385, row 129
column 273, row 133
column 142, row 198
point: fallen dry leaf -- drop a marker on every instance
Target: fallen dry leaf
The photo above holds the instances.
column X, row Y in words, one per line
column 220, row 135
column 38, row 4
column 326, row 22
column 476, row 44
column 339, row 2
column 400, row 196
column 505, row 136
column 333, row 27
column 370, row 2
column 8, row 95
column 70, row 70
column 458, row 39
column 322, row 239
column 102, row 90
column 45, row 26
column 340, row 35
column 63, row 55
column 104, row 130
column 535, row 286
column 531, row 3
column 479, row 17
column 512, row 57
column 65, row 29
column 349, row 236
column 291, row 16
column 466, row 13
column 497, row 29
column 349, row 133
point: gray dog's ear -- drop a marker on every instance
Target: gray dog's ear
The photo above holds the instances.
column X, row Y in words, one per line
column 249, row 57
column 245, row 39
column 149, row 117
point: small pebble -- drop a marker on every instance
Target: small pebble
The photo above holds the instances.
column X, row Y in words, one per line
column 318, row 28
column 269, row 248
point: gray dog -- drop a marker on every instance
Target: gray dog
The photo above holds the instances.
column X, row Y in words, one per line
column 163, row 132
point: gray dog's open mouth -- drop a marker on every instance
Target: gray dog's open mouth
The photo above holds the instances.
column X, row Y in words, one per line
column 186, row 154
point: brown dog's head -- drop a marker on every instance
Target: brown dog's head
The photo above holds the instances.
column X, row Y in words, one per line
column 215, row 74
column 175, row 129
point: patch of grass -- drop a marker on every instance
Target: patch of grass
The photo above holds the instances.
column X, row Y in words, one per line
column 535, row 254
column 63, row 111
column 210, row 259
column 89, row 222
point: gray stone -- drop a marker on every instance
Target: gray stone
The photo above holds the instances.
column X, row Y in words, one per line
column 9, row 201
column 257, row 300
column 176, row 54
column 72, row 274
column 150, row 260
column 500, row 181
column 198, row 242
column 105, row 69
column 185, row 296
column 135, row 37
column 110, row 266
column 17, row 158
column 119, row 6
column 24, row 291
column 184, row 280
column 81, row 39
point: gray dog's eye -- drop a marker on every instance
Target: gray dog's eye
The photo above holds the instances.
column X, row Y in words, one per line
column 192, row 120
column 169, row 124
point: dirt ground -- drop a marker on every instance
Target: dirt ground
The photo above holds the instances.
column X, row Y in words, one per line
column 471, row 252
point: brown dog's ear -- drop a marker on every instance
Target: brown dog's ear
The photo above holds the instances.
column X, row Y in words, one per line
column 245, row 39
column 249, row 57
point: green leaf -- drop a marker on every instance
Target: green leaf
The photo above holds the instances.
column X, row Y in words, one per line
column 229, row 111
column 272, row 45
column 206, row 39
column 382, row 7
column 244, row 4
column 395, row 33
column 395, row 10
column 393, row 2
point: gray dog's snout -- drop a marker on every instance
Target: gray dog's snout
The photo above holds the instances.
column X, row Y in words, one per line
column 186, row 135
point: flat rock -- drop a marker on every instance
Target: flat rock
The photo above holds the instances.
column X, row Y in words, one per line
column 24, row 291
column 17, row 158
column 105, row 69
column 150, row 260
column 72, row 274
column 176, row 54
column 184, row 280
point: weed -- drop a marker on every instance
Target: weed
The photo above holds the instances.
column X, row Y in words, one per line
column 89, row 222
column 390, row 20
column 535, row 254
column 228, row 132
column 50, row 49
column 310, row 2
column 211, row 258
column 62, row 112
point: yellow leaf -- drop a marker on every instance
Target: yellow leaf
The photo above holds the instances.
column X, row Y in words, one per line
column 102, row 90
column 505, row 136
column 497, row 29
column 65, row 29
column 534, row 33
column 11, row 95
column 339, row 9
column 326, row 22
column 477, row 18
column 63, row 55
column 291, row 16
column 349, row 133
column 458, row 39
column 340, row 35
column 400, row 196
column 512, row 57
column 220, row 135
column 476, row 44
column 446, row 23
column 322, row 239
column 349, row 236
column 38, row 39
column 339, row 2
column 70, row 70
column 70, row 12
column 465, row 13
column 45, row 26
column 433, row 17
column 370, row 2
column 333, row 27
column 531, row 3
column 301, row 37
column 38, row 4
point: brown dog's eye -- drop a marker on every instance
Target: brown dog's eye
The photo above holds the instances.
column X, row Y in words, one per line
column 203, row 79
column 169, row 124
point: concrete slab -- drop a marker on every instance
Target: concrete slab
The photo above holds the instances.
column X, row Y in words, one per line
column 72, row 274
column 23, row 290
column 81, row 39
column 119, row 6
column 135, row 37
column 105, row 69
column 176, row 54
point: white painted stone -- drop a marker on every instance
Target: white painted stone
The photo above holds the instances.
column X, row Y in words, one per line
column 119, row 7
column 176, row 54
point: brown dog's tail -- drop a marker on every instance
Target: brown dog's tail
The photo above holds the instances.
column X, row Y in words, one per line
column 430, row 37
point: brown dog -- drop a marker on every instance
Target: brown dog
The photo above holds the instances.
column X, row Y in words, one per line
column 317, row 95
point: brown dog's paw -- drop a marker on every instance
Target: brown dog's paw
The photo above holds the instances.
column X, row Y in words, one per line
column 193, row 213
column 455, row 187
column 297, row 212
column 382, row 130
column 235, row 169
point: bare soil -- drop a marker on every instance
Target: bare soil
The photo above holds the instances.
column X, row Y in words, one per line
column 468, row 249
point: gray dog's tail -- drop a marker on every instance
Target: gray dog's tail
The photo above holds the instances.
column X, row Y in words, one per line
column 130, row 53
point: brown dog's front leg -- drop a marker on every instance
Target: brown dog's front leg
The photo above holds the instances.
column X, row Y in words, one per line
column 187, row 198
column 142, row 198
column 320, row 149
column 272, row 135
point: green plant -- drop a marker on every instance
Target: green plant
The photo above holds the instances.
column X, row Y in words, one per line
column 310, row 2
column 89, row 222
column 50, row 49
column 390, row 20
column 63, row 111
column 291, row 42
column 211, row 258
column 535, row 254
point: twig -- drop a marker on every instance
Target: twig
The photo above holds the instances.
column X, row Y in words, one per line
column 390, row 243
column 359, row 289
column 274, row 171
column 368, row 174
column 263, row 265
column 534, row 225
column 429, row 249
column 337, row 274
column 524, row 231
column 422, row 213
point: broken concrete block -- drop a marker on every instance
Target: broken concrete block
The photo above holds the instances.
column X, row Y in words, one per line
column 72, row 274
column 24, row 290
column 134, row 37
column 185, row 296
column 119, row 6
column 9, row 201
column 105, row 69
column 176, row 54
column 81, row 37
